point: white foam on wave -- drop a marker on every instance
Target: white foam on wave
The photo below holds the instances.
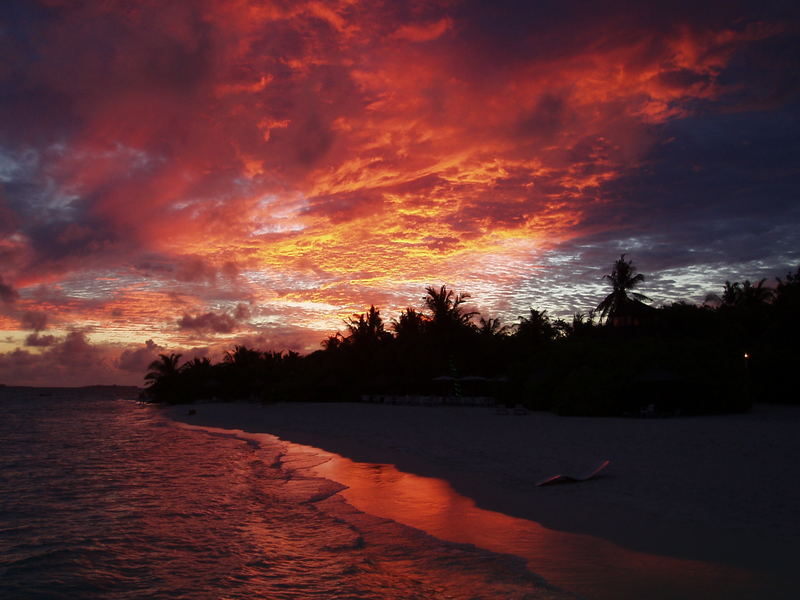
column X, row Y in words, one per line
column 387, row 550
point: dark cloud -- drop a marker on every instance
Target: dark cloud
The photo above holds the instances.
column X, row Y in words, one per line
column 209, row 322
column 545, row 119
column 137, row 360
column 682, row 78
column 35, row 320
column 75, row 351
column 767, row 65
column 69, row 361
column 242, row 312
column 15, row 362
column 283, row 338
column 719, row 192
column 62, row 243
column 187, row 269
column 41, row 341
column 347, row 206
column 72, row 360
column 196, row 270
column 312, row 139
column 8, row 295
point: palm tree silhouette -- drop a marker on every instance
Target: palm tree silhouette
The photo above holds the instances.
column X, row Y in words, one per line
column 758, row 294
column 788, row 291
column 623, row 278
column 162, row 369
column 537, row 327
column 446, row 307
column 581, row 324
column 197, row 364
column 490, row 327
column 367, row 328
column 743, row 295
column 333, row 342
column 409, row 325
column 162, row 377
column 242, row 357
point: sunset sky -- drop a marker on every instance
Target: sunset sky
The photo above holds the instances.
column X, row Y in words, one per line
column 183, row 176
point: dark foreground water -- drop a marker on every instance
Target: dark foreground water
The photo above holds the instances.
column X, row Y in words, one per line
column 104, row 498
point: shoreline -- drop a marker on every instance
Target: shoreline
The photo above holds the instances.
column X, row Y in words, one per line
column 717, row 489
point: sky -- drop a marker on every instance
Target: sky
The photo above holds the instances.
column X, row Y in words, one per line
column 184, row 176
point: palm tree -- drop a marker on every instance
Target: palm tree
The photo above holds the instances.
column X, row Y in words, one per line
column 409, row 325
column 197, row 378
column 166, row 367
column 491, row 327
column 197, row 364
column 446, row 307
column 756, row 295
column 731, row 294
column 242, row 357
column 581, row 324
column 623, row 278
column 333, row 342
column 537, row 327
column 367, row 328
column 162, row 377
column 744, row 294
column 788, row 291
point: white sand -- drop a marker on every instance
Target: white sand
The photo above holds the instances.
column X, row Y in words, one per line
column 722, row 488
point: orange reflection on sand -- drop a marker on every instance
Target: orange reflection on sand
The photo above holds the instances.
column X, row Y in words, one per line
column 582, row 564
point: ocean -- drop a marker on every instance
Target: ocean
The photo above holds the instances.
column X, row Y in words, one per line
column 103, row 497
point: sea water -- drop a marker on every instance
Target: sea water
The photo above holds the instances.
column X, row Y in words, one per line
column 102, row 497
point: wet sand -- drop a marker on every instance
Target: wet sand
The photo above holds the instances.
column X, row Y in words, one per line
column 722, row 489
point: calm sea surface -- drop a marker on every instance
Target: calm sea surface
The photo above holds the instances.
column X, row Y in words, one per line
column 103, row 498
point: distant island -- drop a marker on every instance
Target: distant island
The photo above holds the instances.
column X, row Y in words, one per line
column 623, row 357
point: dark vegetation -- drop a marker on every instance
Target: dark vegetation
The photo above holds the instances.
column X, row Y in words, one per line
column 625, row 358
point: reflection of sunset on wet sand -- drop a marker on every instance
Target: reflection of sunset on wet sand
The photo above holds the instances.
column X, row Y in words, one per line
column 586, row 565
column 692, row 508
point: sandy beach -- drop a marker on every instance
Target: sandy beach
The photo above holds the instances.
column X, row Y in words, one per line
column 722, row 489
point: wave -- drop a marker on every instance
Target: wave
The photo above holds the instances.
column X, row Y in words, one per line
column 403, row 559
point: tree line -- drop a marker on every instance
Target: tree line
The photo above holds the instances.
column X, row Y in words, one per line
column 622, row 357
